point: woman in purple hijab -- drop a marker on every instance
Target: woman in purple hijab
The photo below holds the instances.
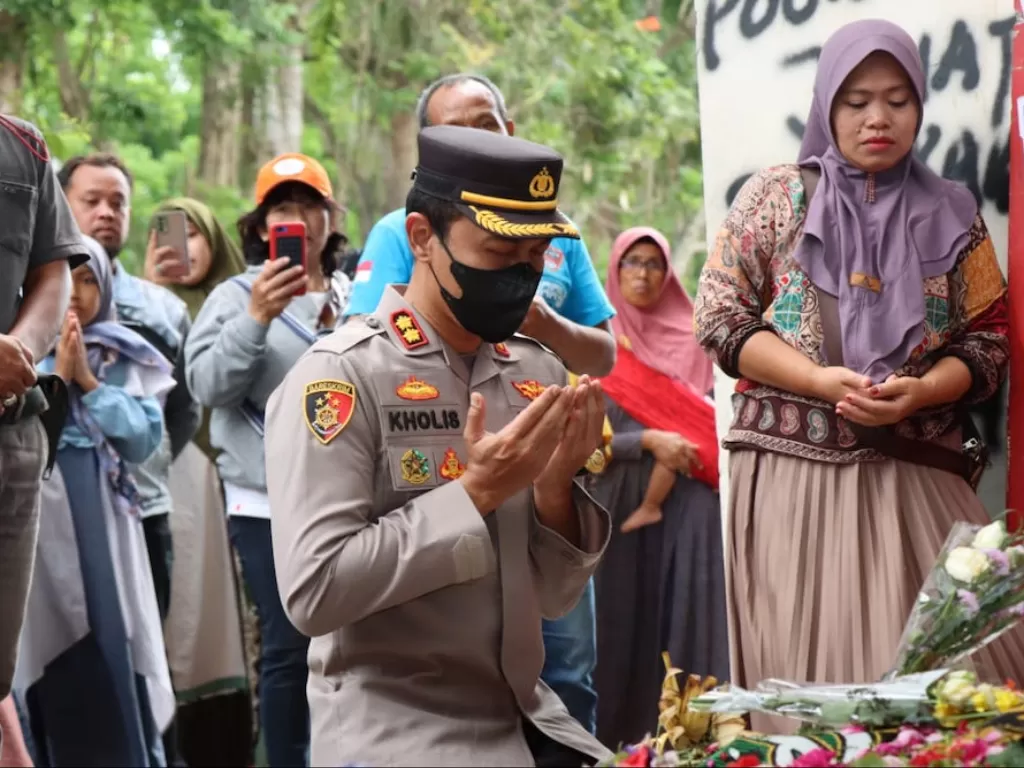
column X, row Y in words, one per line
column 857, row 298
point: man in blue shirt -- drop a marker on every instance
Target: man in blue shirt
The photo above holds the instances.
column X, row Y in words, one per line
column 570, row 316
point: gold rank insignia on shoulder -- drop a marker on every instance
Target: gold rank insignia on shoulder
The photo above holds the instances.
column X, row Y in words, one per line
column 502, row 349
column 416, row 389
column 415, row 467
column 542, row 185
column 531, row 389
column 328, row 406
column 405, row 326
column 452, row 468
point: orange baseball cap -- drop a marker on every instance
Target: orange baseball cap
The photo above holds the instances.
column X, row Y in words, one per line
column 292, row 166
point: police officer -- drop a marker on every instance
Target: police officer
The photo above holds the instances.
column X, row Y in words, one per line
column 421, row 467
column 38, row 237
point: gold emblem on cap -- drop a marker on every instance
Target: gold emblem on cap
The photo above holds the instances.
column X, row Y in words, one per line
column 542, row 185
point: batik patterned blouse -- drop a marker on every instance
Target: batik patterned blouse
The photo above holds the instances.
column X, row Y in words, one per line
column 751, row 283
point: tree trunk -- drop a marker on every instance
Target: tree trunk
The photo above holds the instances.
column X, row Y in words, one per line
column 13, row 34
column 284, row 94
column 403, row 156
column 220, row 145
column 73, row 98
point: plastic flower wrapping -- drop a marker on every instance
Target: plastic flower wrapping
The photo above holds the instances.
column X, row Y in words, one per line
column 973, row 595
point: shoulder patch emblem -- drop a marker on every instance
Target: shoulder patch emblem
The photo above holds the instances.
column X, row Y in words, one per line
column 416, row 389
column 408, row 329
column 415, row 467
column 531, row 389
column 328, row 406
column 452, row 468
column 502, row 349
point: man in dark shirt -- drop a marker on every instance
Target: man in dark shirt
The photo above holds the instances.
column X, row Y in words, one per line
column 38, row 238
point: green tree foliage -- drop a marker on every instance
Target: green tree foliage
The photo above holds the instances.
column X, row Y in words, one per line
column 618, row 101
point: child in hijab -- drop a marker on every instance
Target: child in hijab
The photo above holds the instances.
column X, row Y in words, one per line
column 92, row 672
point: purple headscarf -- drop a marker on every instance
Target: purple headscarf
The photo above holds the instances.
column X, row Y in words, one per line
column 914, row 229
column 103, row 332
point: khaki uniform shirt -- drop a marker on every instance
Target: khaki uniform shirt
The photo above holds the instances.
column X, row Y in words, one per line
column 425, row 615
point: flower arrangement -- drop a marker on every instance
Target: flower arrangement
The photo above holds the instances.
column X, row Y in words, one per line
column 684, row 735
column 959, row 697
column 973, row 595
column 926, row 712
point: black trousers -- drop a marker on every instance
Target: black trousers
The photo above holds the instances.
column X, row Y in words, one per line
column 548, row 753
column 161, row 559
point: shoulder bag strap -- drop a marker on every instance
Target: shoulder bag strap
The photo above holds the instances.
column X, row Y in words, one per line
column 881, row 439
column 249, row 411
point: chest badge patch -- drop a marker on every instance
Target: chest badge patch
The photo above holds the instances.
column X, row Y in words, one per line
column 415, row 467
column 406, row 327
column 531, row 389
column 328, row 406
column 452, row 468
column 502, row 349
column 416, row 389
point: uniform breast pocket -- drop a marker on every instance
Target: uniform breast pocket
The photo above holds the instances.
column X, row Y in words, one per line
column 17, row 217
column 520, row 391
column 420, row 465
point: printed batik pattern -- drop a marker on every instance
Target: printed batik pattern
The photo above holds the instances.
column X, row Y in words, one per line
column 751, row 283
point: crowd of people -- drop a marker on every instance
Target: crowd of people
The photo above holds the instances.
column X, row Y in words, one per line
column 160, row 472
column 470, row 495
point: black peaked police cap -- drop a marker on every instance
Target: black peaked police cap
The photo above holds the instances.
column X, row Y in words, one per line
column 504, row 185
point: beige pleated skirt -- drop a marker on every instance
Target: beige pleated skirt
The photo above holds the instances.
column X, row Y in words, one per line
column 825, row 562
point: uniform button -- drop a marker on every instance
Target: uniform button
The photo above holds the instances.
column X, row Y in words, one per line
column 372, row 322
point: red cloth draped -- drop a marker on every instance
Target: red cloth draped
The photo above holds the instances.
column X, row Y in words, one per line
column 659, row 402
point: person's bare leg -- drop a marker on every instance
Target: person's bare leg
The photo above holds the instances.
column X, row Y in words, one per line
column 658, row 489
column 13, row 753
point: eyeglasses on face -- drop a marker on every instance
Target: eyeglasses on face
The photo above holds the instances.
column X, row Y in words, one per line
column 639, row 264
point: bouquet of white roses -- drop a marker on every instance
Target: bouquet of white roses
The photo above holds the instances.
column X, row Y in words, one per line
column 974, row 594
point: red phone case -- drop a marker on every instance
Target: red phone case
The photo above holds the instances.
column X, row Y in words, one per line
column 290, row 235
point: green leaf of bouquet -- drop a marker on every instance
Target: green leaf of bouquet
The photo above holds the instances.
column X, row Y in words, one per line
column 1013, row 756
column 868, row 761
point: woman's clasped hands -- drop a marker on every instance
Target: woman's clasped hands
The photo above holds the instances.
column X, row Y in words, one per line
column 871, row 405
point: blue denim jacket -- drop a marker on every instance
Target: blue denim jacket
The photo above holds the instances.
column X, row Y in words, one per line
column 162, row 318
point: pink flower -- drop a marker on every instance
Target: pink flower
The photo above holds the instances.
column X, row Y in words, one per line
column 849, row 730
column 816, row 758
column 909, row 737
column 999, row 560
column 969, row 601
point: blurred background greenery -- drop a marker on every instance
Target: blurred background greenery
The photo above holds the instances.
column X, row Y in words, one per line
column 196, row 94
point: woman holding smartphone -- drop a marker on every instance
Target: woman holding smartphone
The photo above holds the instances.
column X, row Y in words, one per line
column 250, row 331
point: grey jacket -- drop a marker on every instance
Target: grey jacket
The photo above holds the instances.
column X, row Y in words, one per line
column 162, row 319
column 231, row 359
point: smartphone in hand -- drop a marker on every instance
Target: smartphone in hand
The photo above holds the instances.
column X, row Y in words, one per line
column 288, row 241
column 172, row 230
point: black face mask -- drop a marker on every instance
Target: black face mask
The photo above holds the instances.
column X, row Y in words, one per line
column 494, row 302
